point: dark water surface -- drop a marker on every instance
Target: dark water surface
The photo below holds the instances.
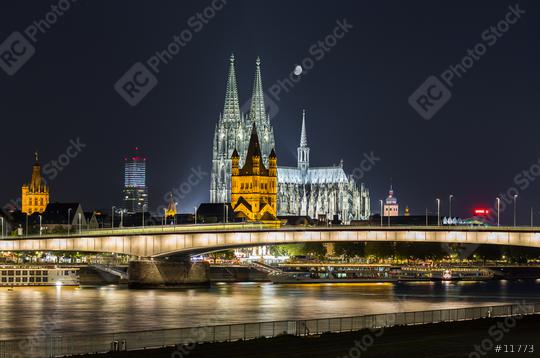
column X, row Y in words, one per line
column 63, row 310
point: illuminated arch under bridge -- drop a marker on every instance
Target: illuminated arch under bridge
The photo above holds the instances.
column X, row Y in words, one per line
column 168, row 241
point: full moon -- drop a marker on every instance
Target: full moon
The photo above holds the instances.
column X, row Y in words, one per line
column 298, row 70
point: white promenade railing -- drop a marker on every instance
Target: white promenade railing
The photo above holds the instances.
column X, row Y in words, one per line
column 56, row 346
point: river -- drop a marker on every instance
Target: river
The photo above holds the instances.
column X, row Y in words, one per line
column 31, row 311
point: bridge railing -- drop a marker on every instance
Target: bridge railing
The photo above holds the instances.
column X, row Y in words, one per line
column 185, row 339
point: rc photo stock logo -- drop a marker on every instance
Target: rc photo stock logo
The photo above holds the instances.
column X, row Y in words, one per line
column 17, row 49
column 141, row 78
column 434, row 93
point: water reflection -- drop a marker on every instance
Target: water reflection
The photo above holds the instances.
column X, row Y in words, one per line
column 27, row 311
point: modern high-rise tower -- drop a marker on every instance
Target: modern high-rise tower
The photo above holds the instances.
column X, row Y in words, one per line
column 135, row 190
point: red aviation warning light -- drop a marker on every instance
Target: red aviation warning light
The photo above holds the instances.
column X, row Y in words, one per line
column 481, row 211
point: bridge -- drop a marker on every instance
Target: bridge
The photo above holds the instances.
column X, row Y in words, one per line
column 182, row 240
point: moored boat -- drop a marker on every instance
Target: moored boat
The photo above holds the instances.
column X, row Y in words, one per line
column 29, row 275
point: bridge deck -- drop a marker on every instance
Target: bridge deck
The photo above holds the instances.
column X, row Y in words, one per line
column 149, row 242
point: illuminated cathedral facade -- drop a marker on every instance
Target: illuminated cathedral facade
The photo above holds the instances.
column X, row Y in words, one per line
column 302, row 190
column 232, row 132
column 320, row 192
column 35, row 195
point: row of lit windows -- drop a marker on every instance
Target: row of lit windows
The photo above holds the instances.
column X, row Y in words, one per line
column 24, row 272
column 24, row 279
column 135, row 174
column 36, row 201
column 263, row 186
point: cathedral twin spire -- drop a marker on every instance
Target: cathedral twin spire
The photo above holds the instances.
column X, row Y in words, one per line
column 233, row 129
column 257, row 112
column 231, row 110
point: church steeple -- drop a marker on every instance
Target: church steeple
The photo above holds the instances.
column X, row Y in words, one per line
column 35, row 195
column 231, row 109
column 303, row 135
column 36, row 182
column 257, row 112
column 303, row 149
column 171, row 207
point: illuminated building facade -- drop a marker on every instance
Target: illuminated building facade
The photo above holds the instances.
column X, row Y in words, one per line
column 232, row 133
column 35, row 195
column 170, row 211
column 254, row 186
column 302, row 190
column 135, row 190
column 391, row 207
column 320, row 192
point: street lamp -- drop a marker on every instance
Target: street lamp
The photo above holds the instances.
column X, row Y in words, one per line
column 69, row 222
column 515, row 200
column 2, row 218
column 112, row 217
column 381, row 211
column 121, row 218
column 80, row 223
column 226, row 212
column 40, row 228
column 438, row 212
column 450, row 205
column 498, row 210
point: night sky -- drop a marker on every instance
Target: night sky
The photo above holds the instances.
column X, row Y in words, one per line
column 356, row 96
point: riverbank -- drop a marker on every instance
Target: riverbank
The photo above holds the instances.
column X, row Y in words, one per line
column 448, row 340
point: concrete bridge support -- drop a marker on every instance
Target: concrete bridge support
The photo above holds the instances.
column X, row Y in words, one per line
column 153, row 273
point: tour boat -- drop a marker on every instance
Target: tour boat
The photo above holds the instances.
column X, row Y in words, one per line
column 365, row 273
column 28, row 275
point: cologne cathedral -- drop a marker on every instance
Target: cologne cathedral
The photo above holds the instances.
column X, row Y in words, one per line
column 318, row 192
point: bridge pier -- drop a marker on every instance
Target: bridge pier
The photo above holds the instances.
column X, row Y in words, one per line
column 151, row 273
